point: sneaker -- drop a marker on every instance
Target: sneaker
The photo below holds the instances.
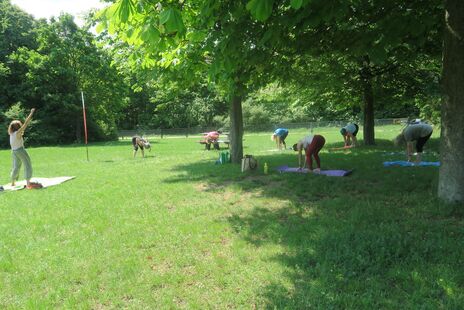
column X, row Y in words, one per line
column 33, row 185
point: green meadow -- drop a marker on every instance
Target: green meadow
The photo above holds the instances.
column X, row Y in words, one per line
column 176, row 231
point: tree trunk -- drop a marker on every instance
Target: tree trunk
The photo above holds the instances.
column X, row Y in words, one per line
column 451, row 178
column 368, row 97
column 236, row 129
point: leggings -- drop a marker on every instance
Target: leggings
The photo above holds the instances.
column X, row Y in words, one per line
column 356, row 131
column 421, row 142
column 313, row 150
column 20, row 156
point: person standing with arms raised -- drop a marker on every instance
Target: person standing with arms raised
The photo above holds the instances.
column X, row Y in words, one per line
column 19, row 153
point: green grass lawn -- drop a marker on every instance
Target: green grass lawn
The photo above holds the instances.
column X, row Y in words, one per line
column 174, row 230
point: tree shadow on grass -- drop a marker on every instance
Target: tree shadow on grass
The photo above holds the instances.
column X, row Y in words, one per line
column 376, row 239
column 337, row 258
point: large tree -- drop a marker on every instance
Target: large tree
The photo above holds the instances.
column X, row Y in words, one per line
column 451, row 180
column 220, row 37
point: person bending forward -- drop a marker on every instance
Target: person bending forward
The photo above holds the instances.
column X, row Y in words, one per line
column 139, row 142
column 279, row 136
column 349, row 133
column 419, row 133
column 311, row 145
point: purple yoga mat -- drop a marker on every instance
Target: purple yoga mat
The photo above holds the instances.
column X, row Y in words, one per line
column 330, row 173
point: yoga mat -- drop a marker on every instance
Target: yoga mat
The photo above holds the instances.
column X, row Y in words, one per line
column 46, row 182
column 330, row 173
column 403, row 163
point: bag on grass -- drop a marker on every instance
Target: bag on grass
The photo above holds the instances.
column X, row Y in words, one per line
column 249, row 163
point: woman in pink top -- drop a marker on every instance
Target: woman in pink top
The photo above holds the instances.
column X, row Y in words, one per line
column 211, row 138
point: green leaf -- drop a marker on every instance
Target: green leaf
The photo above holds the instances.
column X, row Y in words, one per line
column 172, row 20
column 150, row 34
column 165, row 16
column 296, row 4
column 125, row 8
column 266, row 37
column 129, row 32
column 260, row 9
column 133, row 36
column 100, row 27
column 140, row 7
column 229, row 64
column 111, row 28
column 196, row 36
column 378, row 54
column 111, row 11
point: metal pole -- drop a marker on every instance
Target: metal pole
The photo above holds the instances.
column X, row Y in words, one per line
column 85, row 125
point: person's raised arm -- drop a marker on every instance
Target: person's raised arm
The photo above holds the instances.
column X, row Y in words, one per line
column 26, row 122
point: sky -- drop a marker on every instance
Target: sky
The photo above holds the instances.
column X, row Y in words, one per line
column 49, row 8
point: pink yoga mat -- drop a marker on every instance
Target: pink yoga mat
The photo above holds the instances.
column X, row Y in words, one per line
column 330, row 173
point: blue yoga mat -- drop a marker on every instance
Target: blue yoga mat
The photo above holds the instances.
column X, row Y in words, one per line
column 403, row 163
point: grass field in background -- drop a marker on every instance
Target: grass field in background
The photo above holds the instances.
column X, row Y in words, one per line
column 174, row 230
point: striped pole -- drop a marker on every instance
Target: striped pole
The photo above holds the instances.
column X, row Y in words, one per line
column 85, row 125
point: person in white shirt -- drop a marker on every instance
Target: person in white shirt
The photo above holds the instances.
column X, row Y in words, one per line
column 311, row 145
column 20, row 156
column 419, row 133
column 349, row 133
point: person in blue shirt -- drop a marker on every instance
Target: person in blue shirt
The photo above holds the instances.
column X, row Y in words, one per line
column 279, row 136
column 349, row 133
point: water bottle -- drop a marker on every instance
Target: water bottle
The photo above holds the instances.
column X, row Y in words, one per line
column 265, row 168
column 222, row 157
